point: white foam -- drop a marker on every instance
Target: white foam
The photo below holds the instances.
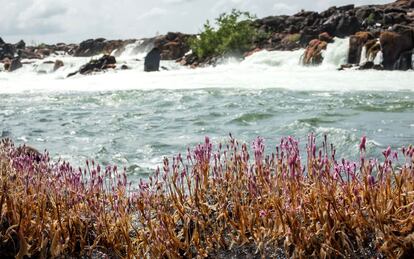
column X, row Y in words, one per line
column 264, row 69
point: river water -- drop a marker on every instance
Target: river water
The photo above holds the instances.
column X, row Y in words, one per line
column 134, row 119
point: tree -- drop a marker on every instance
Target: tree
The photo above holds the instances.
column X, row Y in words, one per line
column 235, row 34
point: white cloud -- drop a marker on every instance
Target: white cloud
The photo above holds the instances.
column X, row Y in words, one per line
column 76, row 20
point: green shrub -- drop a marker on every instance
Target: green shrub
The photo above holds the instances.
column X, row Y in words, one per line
column 234, row 34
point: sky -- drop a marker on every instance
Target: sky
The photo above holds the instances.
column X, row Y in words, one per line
column 71, row 21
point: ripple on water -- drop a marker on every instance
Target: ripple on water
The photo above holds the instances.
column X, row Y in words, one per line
column 248, row 118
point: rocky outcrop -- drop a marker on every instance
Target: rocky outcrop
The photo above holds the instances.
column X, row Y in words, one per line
column 96, row 65
column 313, row 53
column 396, row 48
column 356, row 44
column 93, row 47
column 152, row 60
column 7, row 50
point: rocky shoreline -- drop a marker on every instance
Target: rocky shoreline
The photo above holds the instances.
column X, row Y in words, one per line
column 372, row 29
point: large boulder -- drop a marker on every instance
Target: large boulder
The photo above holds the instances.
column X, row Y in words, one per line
column 152, row 60
column 356, row 43
column 393, row 45
column 313, row 53
column 96, row 65
column 15, row 64
column 7, row 51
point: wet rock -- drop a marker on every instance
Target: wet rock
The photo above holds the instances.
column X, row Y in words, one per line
column 173, row 45
column 96, row 65
column 405, row 61
column 152, row 60
column 394, row 45
column 367, row 65
column 313, row 53
column 15, row 64
column 58, row 64
column 124, row 67
column 2, row 41
column 90, row 48
column 356, row 43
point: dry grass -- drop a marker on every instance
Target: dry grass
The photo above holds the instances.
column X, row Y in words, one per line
column 213, row 203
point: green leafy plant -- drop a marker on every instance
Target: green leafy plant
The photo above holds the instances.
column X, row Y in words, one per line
column 234, row 34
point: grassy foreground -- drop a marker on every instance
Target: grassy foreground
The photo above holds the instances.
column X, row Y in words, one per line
column 221, row 202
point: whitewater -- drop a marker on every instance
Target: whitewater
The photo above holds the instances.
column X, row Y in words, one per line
column 134, row 119
column 276, row 69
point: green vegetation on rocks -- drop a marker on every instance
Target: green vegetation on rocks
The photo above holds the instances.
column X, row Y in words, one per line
column 234, row 34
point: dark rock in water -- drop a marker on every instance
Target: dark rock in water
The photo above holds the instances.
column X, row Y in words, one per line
column 313, row 53
column 124, row 67
column 20, row 45
column 7, row 51
column 96, row 65
column 394, row 45
column 15, row 64
column 152, row 60
column 356, row 43
column 367, row 65
column 58, row 64
column 90, row 47
column 405, row 61
column 2, row 41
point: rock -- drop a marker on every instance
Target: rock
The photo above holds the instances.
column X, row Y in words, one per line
column 96, row 65
column 308, row 34
column 367, row 65
column 356, row 43
column 58, row 64
column 313, row 53
column 7, row 51
column 324, row 36
column 124, row 67
column 347, row 25
column 90, row 47
column 20, row 45
column 15, row 64
column 28, row 54
column 152, row 60
column 172, row 46
column 2, row 41
column 346, row 7
column 393, row 45
column 405, row 61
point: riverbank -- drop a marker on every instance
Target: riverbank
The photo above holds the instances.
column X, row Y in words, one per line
column 217, row 200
